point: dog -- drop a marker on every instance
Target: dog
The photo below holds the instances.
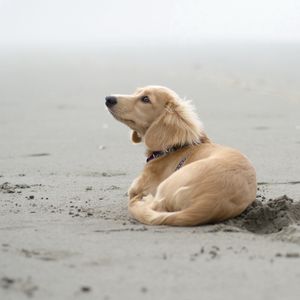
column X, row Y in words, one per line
column 188, row 180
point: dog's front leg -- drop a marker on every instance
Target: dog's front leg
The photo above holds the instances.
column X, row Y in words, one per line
column 136, row 198
column 138, row 191
column 136, row 188
column 142, row 186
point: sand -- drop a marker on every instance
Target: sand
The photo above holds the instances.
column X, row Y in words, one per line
column 66, row 165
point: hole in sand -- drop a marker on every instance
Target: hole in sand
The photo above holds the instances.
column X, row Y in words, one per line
column 268, row 217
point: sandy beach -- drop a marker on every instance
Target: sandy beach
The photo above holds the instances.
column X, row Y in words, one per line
column 66, row 165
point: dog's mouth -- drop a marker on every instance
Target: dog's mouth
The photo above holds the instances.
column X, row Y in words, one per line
column 123, row 120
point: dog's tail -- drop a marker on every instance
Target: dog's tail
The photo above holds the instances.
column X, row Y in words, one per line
column 144, row 213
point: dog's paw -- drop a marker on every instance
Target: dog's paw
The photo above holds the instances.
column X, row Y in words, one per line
column 148, row 199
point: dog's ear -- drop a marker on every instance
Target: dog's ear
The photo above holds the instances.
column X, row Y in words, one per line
column 135, row 138
column 178, row 125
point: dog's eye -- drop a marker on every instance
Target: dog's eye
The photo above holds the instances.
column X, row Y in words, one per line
column 145, row 99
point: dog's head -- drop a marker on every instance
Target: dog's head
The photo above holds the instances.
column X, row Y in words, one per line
column 157, row 115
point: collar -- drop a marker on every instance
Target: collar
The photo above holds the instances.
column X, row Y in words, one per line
column 157, row 154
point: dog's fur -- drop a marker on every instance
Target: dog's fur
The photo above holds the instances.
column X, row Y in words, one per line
column 215, row 182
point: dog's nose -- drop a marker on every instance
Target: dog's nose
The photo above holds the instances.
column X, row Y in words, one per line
column 110, row 101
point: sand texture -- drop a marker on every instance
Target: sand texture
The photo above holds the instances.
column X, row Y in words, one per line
column 66, row 165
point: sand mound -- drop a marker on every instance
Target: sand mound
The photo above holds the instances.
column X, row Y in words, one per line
column 268, row 217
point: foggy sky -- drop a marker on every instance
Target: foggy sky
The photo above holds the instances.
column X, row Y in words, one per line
column 63, row 22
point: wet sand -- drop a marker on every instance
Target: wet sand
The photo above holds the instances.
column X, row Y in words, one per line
column 66, row 165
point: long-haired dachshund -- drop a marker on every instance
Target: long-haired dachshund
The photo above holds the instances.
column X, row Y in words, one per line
column 187, row 180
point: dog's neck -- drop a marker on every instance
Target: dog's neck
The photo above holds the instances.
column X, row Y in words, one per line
column 159, row 153
column 156, row 154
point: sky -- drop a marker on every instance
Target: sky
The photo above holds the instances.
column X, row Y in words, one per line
column 92, row 22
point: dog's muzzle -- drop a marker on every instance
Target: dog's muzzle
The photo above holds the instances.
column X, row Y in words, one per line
column 110, row 101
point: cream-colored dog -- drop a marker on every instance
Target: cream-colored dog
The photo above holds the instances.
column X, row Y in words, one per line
column 188, row 180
